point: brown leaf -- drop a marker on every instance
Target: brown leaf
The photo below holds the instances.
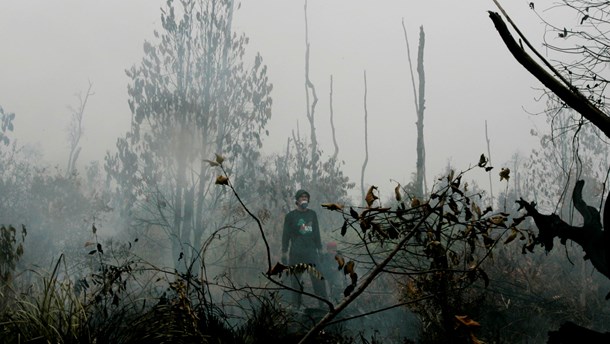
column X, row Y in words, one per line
column 466, row 321
column 354, row 277
column 512, row 236
column 277, row 269
column 504, row 173
column 340, row 261
column 222, row 180
column 353, row 213
column 476, row 209
column 370, row 196
column 365, row 224
column 332, row 206
column 475, row 340
column 397, row 193
column 415, row 202
column 498, row 220
column 348, row 268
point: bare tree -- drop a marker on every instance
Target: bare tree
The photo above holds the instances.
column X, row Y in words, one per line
column 420, row 179
column 332, row 122
column 75, row 128
column 310, row 91
column 366, row 139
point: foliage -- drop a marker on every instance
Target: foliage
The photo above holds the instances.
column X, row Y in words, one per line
column 53, row 206
column 530, row 294
column 441, row 244
column 6, row 124
column 120, row 298
column 11, row 250
column 191, row 95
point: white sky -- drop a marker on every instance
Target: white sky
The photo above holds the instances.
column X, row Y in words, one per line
column 50, row 50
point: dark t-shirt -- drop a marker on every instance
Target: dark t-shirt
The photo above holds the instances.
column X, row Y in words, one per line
column 302, row 234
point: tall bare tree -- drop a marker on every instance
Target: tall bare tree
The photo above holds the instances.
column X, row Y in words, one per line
column 420, row 106
column 75, row 128
column 366, row 139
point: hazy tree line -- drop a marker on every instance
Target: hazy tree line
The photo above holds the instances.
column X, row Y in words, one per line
column 175, row 236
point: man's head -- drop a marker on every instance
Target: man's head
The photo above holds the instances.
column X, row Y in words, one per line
column 301, row 198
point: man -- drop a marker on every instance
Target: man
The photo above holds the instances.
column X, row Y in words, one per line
column 301, row 236
column 328, row 267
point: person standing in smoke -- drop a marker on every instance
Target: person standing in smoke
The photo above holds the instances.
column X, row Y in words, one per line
column 328, row 268
column 301, row 237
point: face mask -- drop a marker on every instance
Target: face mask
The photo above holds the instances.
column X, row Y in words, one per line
column 303, row 205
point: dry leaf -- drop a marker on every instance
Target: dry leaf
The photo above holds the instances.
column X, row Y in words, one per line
column 219, row 158
column 340, row 261
column 466, row 321
column 222, row 180
column 511, row 237
column 332, row 206
column 349, row 268
column 277, row 269
column 504, row 173
column 370, row 196
column 498, row 220
column 397, row 193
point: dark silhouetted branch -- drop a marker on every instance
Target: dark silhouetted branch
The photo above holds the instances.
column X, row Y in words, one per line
column 590, row 236
column 568, row 94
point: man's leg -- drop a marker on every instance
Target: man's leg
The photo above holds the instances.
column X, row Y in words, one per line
column 319, row 288
column 297, row 284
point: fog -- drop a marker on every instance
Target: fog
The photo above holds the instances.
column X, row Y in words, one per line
column 53, row 50
column 152, row 220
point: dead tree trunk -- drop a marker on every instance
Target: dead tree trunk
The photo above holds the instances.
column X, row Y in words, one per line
column 420, row 175
column 554, row 82
column 366, row 140
column 310, row 90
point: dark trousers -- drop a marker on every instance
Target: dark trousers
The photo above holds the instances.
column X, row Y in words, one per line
column 297, row 283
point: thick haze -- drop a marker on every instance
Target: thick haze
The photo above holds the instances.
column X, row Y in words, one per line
column 52, row 49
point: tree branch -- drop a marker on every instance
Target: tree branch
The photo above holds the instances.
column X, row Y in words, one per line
column 590, row 236
column 570, row 95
